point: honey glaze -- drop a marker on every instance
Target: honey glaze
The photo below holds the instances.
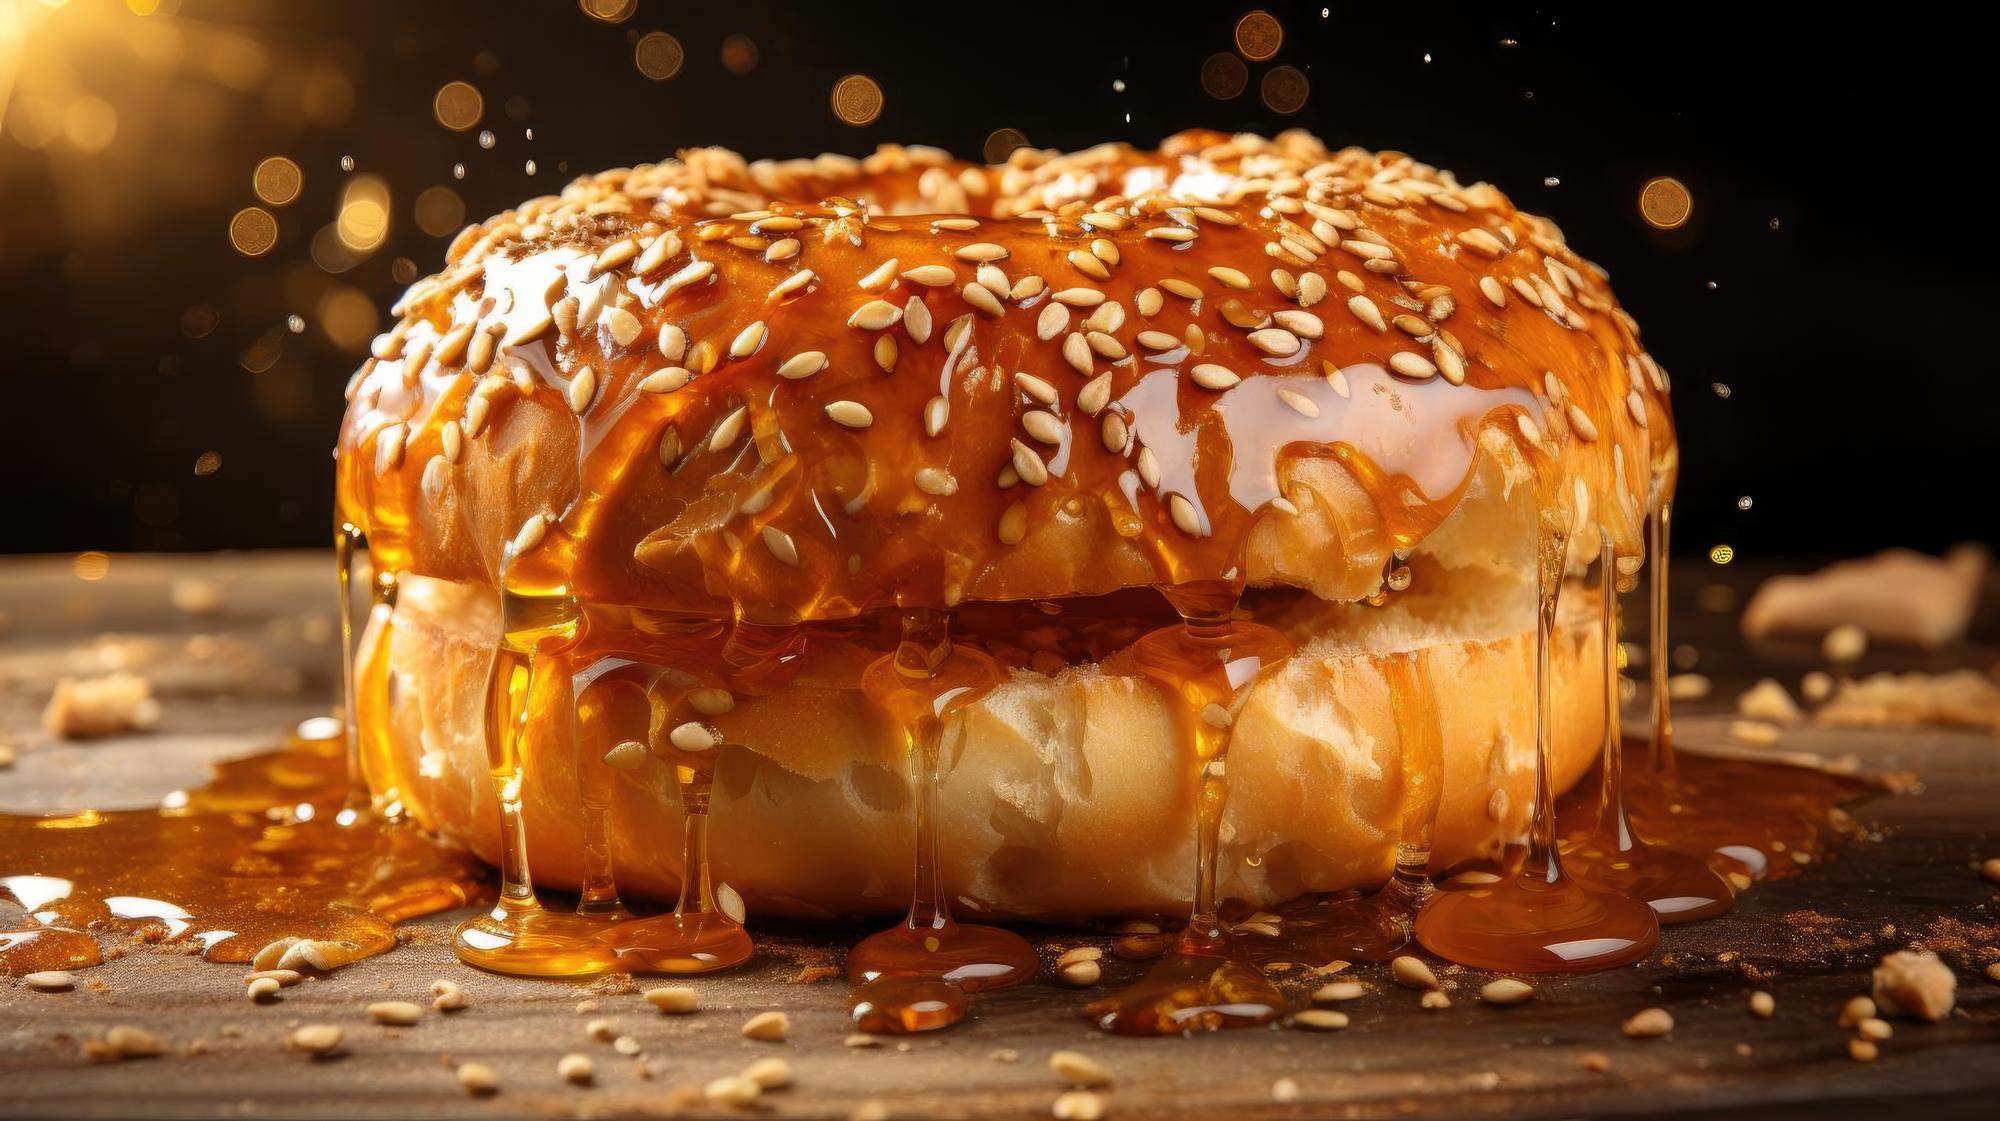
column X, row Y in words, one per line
column 1678, row 886
column 1206, row 666
column 901, row 975
column 1540, row 917
column 256, row 855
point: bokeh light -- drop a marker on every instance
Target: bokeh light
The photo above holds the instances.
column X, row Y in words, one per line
column 1223, row 76
column 253, row 231
column 739, row 54
column 458, row 106
column 1001, row 142
column 608, row 11
column 857, row 100
column 92, row 565
column 1665, row 203
column 1284, row 89
column 439, row 211
column 1722, row 554
column 658, row 55
column 364, row 213
column 207, row 463
column 1259, row 35
column 348, row 317
column 90, row 124
column 277, row 181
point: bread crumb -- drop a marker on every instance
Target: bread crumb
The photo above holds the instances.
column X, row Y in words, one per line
column 1650, row 1023
column 1285, row 1090
column 1075, row 1068
column 1688, row 686
column 1506, row 990
column 1078, row 1105
column 1434, row 1000
column 576, row 1068
column 674, row 1000
column 1816, row 686
column 1763, row 1005
column 88, row 707
column 1915, row 983
column 768, row 1027
column 1756, row 733
column 1320, row 1019
column 1412, row 972
column 1768, row 701
column 1596, row 1061
column 477, row 1078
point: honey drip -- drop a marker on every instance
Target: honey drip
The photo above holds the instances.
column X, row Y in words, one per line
column 1540, row 918
column 1677, row 886
column 346, row 537
column 904, row 976
column 1207, row 665
column 1377, row 926
column 519, row 935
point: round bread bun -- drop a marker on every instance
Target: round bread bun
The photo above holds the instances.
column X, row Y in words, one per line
column 803, row 390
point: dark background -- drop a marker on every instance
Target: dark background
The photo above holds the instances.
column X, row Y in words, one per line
column 1837, row 276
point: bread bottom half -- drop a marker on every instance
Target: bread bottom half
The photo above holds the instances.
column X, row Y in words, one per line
column 1065, row 796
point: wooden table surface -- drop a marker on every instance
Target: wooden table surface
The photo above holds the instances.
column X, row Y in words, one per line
column 1810, row 939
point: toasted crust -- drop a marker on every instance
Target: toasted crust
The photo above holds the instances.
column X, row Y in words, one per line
column 692, row 386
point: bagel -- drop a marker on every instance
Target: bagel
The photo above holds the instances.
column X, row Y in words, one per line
column 807, row 394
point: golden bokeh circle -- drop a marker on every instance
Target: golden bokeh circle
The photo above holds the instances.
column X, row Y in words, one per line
column 856, row 100
column 91, row 565
column 1223, row 76
column 277, row 180
column 658, row 55
column 608, row 11
column 207, row 463
column 439, row 211
column 1665, row 203
column 1259, row 35
column 253, row 231
column 1001, row 142
column 458, row 106
column 739, row 54
column 1285, row 89
column 1722, row 554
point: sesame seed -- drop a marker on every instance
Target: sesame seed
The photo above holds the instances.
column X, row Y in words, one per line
column 767, row 1027
column 850, row 414
column 1412, row 972
column 792, row 284
column 1035, row 387
column 1184, row 516
column 1108, row 317
column 1095, row 394
column 614, row 255
column 1177, row 234
column 1232, row 278
column 917, row 320
column 1448, row 362
column 1027, row 288
column 1320, row 1019
column 1074, row 1068
column 936, row 481
column 1505, row 990
column 1078, row 297
column 1028, row 464
column 992, row 279
column 936, row 411
column 781, row 545
column 982, row 300
column 1763, row 1005
column 1494, row 291
column 1053, row 320
column 1482, row 242
column 879, row 278
column 1275, row 341
column 1312, row 289
column 875, row 315
column 885, row 352
column 657, row 251
column 931, row 276
column 1114, row 433
column 1211, row 376
column 1088, row 265
column 1304, row 324
column 694, row 272
column 1410, row 364
column 1299, row 403
column 693, row 736
column 731, row 427
column 804, row 364
column 981, row 252
column 1013, row 524
column 1148, row 301
column 1585, row 428
column 1365, row 310
column 1158, row 340
column 1636, row 405
column 530, row 535
column 1181, row 288
column 1104, row 345
column 1149, row 468
column 1078, row 1105
column 1043, row 426
column 1076, row 351
column 665, row 380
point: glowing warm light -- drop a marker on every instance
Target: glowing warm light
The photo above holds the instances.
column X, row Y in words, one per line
column 1259, row 35
column 277, row 181
column 1001, row 142
column 1745, row 502
column 1722, row 554
column 198, row 320
column 348, row 317
column 207, row 463
column 857, row 100
column 1223, row 76
column 364, row 214
column 92, row 565
column 608, row 11
column 439, row 211
column 1664, row 202
column 1284, row 90
column 458, row 106
column 739, row 54
column 658, row 55
column 143, row 7
column 253, row 231
column 90, row 124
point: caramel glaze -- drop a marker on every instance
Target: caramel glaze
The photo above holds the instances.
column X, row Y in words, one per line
column 538, row 342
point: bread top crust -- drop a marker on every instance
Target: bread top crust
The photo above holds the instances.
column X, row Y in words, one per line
column 684, row 386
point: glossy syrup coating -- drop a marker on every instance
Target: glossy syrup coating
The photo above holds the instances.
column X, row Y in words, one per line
column 803, row 390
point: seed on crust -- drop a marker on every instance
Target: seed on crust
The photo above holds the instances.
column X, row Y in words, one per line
column 1365, row 310
column 1299, row 403
column 1184, row 516
column 1412, row 972
column 931, row 276
column 1044, row 426
column 582, row 388
column 1035, row 387
column 917, row 320
column 849, row 414
column 875, row 315
column 1013, row 523
column 1028, row 463
column 781, row 545
column 1088, row 265
column 1148, row 301
column 1505, row 990
column 1078, row 297
column 1208, row 375
column 879, row 277
column 983, row 300
column 1052, row 321
column 980, row 252
column 1181, row 288
column 804, row 364
column 1232, row 278
column 1276, row 342
column 1095, row 394
column 1410, row 364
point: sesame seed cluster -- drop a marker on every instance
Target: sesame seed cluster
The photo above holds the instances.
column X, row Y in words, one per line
column 681, row 385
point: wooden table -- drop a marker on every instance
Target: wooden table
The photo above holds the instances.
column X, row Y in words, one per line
column 1811, row 939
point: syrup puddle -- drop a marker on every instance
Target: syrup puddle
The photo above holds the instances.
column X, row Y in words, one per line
column 259, row 853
